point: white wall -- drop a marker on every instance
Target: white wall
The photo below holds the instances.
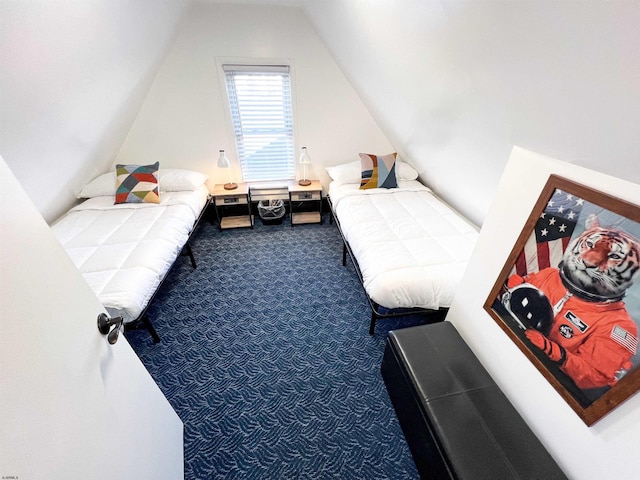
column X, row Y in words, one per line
column 607, row 449
column 72, row 77
column 455, row 83
column 184, row 122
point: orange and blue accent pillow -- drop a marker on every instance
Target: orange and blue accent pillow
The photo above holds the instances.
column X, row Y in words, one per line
column 378, row 171
column 137, row 183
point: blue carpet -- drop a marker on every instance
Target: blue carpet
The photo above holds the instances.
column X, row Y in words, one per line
column 266, row 358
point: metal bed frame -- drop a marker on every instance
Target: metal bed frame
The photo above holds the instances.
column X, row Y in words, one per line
column 143, row 320
column 377, row 311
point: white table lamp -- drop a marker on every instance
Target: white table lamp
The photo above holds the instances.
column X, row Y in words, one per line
column 304, row 160
column 223, row 162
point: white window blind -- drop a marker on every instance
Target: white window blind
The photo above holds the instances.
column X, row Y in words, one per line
column 262, row 116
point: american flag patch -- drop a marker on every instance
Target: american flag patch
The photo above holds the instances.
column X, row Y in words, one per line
column 625, row 339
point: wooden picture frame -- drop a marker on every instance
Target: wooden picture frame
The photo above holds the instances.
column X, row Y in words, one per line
column 582, row 320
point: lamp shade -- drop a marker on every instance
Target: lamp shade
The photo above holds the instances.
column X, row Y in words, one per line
column 223, row 161
column 305, row 159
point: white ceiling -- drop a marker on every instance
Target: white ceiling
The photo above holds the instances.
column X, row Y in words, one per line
column 282, row 3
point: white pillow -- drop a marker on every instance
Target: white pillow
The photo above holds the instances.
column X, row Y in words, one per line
column 404, row 171
column 178, row 180
column 170, row 180
column 101, row 186
column 352, row 172
column 346, row 173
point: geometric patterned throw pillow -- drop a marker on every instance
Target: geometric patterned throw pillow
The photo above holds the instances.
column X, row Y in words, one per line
column 378, row 171
column 137, row 183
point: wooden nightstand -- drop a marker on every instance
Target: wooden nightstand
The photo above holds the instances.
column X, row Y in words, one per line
column 305, row 203
column 233, row 207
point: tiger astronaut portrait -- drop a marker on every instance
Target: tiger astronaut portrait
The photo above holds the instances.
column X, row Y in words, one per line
column 574, row 313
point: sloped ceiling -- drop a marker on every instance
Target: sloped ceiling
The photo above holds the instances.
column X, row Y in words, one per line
column 454, row 84
column 72, row 78
column 275, row 3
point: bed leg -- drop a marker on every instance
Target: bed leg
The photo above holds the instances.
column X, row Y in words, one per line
column 344, row 254
column 152, row 331
column 190, row 253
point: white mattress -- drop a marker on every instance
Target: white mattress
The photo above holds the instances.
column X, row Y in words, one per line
column 411, row 248
column 123, row 251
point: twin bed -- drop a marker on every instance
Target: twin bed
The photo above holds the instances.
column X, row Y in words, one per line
column 124, row 251
column 409, row 248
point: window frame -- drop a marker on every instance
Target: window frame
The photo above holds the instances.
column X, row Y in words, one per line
column 278, row 66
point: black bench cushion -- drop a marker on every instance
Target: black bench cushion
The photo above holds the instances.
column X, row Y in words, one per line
column 457, row 422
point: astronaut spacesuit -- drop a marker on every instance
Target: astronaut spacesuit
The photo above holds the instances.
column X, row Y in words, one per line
column 591, row 341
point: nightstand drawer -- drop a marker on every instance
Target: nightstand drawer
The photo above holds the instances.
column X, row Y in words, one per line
column 306, row 196
column 233, row 200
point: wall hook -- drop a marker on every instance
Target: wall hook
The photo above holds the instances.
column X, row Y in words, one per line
column 105, row 323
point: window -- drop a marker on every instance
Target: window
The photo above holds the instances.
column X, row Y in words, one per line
column 262, row 116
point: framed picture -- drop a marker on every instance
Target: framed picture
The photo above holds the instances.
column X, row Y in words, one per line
column 569, row 295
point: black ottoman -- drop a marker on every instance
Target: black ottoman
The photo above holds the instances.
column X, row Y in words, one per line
column 457, row 422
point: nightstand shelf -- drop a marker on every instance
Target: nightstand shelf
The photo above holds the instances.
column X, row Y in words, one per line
column 236, row 221
column 305, row 203
column 306, row 217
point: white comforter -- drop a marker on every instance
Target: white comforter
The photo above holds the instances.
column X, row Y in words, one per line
column 411, row 248
column 123, row 251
